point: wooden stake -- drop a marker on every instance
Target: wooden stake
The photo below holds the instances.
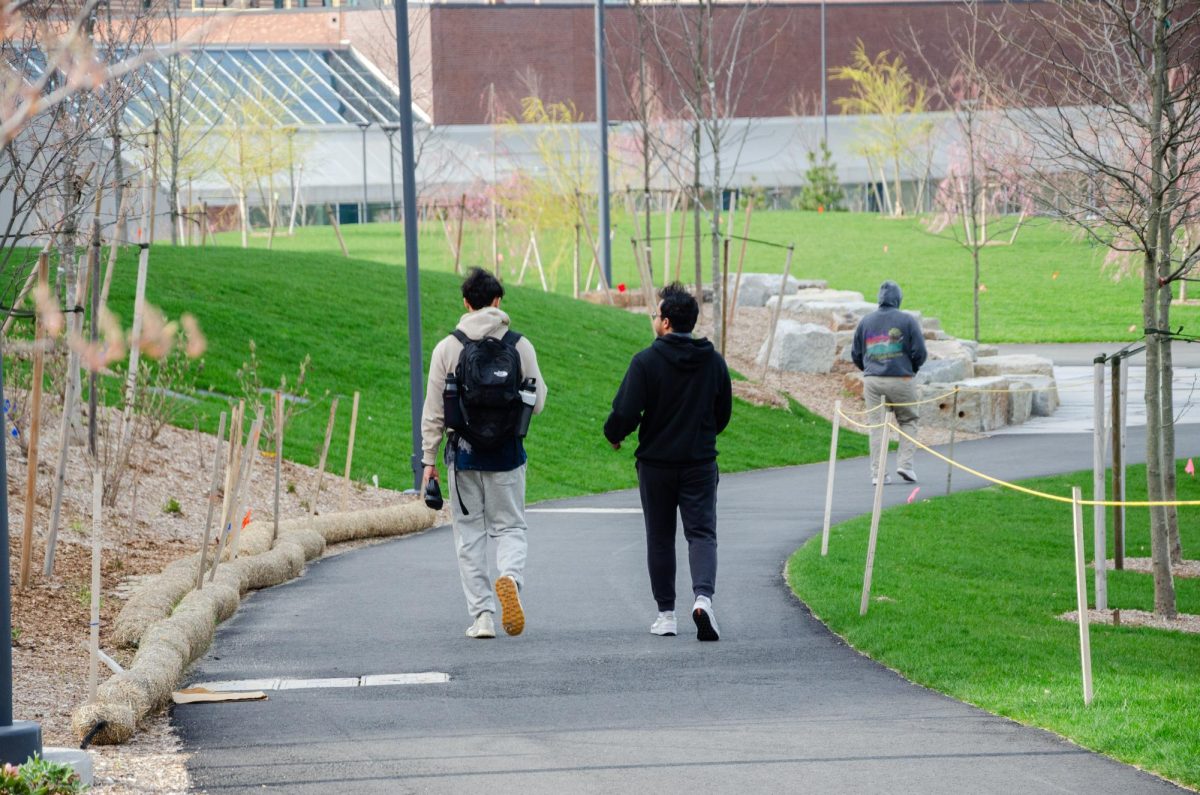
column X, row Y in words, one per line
column 787, row 270
column 70, row 401
column 953, row 433
column 312, row 509
column 25, row 290
column 94, row 624
column 278, row 460
column 647, row 289
column 114, row 248
column 1118, row 469
column 349, row 452
column 880, row 474
column 1085, row 645
column 135, row 347
column 670, row 210
column 35, row 424
column 337, row 229
column 153, row 182
column 232, row 466
column 249, row 460
column 203, row 224
column 737, row 282
column 833, row 444
column 462, row 215
column 212, row 503
column 575, row 272
column 1099, row 531
column 724, row 294
column 683, row 222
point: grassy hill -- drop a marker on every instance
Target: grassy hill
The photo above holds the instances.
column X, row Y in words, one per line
column 1049, row 286
column 972, row 612
column 350, row 316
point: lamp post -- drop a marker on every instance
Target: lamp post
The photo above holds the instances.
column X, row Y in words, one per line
column 602, row 122
column 390, row 130
column 416, row 370
column 363, row 125
column 824, row 79
column 20, row 739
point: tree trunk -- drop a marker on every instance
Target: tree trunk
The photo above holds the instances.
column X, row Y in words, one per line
column 1164, row 586
column 1167, row 398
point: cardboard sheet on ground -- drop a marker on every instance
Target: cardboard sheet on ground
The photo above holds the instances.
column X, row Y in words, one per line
column 202, row 695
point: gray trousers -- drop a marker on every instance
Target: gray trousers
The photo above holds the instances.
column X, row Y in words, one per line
column 495, row 503
column 892, row 390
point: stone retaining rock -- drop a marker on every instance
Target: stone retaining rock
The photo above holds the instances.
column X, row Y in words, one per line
column 800, row 348
column 944, row 371
column 1014, row 364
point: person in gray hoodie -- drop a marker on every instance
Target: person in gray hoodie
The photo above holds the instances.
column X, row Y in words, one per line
column 487, row 487
column 889, row 348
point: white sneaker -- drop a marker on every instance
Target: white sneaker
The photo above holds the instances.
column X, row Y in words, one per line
column 665, row 624
column 886, row 480
column 907, row 474
column 706, row 621
column 483, row 627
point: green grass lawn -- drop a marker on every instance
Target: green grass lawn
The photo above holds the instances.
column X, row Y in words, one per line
column 350, row 317
column 1047, row 287
column 965, row 593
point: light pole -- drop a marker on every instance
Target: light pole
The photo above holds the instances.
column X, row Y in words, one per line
column 363, row 125
column 602, row 122
column 416, row 370
column 824, row 102
column 20, row 739
column 390, row 130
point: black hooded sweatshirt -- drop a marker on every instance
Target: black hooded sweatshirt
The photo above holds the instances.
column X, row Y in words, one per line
column 678, row 391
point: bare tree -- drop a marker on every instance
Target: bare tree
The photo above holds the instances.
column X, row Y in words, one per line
column 1114, row 148
column 708, row 53
column 982, row 181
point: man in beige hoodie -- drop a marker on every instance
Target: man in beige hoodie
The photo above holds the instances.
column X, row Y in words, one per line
column 486, row 487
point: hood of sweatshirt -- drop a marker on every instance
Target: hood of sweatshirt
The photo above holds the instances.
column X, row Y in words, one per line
column 685, row 353
column 489, row 321
column 890, row 295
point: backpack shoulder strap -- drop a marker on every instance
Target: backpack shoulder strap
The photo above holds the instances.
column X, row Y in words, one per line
column 459, row 335
column 511, row 338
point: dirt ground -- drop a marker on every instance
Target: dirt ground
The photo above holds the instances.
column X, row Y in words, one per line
column 140, row 536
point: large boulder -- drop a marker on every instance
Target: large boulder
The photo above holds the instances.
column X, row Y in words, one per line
column 831, row 314
column 982, row 405
column 1020, row 401
column 1014, row 364
column 800, row 348
column 1043, row 392
column 950, row 349
column 944, row 371
column 756, row 288
column 813, row 295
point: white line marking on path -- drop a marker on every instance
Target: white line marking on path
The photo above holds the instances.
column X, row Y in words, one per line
column 583, row 510
column 372, row 680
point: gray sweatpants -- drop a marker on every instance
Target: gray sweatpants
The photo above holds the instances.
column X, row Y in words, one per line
column 892, row 390
column 495, row 503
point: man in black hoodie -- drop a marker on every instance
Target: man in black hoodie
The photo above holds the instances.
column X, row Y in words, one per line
column 678, row 391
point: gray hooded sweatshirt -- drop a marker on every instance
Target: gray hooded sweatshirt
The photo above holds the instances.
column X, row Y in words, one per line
column 889, row 342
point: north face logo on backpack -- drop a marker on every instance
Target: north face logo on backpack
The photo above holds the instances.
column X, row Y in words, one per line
column 489, row 383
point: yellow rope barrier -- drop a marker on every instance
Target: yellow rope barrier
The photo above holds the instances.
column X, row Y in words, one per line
column 1023, row 489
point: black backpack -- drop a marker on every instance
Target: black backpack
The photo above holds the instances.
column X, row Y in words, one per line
column 489, row 404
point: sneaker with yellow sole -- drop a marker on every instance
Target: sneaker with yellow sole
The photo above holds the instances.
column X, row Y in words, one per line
column 512, row 615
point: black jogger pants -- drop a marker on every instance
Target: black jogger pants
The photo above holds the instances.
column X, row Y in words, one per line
column 693, row 491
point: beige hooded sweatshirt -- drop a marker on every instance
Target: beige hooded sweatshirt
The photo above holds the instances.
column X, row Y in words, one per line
column 489, row 321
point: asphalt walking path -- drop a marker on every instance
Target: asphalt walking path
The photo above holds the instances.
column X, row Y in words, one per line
column 587, row 700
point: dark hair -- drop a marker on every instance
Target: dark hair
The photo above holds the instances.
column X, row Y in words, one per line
column 678, row 306
column 480, row 288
